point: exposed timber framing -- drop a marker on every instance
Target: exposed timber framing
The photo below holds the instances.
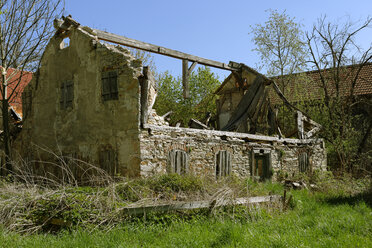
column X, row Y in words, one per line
column 301, row 118
column 186, row 70
column 300, row 125
column 106, row 36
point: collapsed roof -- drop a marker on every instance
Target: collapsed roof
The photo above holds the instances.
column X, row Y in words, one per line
column 254, row 102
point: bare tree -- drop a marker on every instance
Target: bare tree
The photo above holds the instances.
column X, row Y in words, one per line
column 338, row 62
column 25, row 28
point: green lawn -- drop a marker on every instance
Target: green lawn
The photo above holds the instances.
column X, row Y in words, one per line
column 317, row 220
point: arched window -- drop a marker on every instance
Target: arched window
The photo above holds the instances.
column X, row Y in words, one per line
column 177, row 162
column 223, row 163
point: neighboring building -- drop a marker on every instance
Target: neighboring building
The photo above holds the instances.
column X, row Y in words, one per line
column 93, row 101
column 16, row 85
column 308, row 86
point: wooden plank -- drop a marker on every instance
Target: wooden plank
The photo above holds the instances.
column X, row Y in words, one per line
column 217, row 133
column 185, row 78
column 311, row 133
column 133, row 210
column 307, row 119
column 192, row 67
column 144, row 82
column 253, row 106
column 241, row 112
column 259, row 107
column 300, row 125
column 118, row 39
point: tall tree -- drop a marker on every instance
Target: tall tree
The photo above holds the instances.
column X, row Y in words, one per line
column 279, row 42
column 203, row 83
column 25, row 28
column 338, row 61
column 281, row 47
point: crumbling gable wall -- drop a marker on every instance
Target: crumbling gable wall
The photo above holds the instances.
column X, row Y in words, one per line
column 73, row 113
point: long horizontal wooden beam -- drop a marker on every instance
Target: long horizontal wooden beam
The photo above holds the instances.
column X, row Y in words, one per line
column 118, row 39
column 135, row 209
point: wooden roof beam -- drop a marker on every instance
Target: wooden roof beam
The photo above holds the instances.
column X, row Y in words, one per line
column 118, row 39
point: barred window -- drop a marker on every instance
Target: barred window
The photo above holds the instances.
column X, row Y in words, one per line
column 177, row 162
column 110, row 85
column 223, row 163
column 67, row 94
column 303, row 162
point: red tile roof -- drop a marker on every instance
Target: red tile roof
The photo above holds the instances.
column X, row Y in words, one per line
column 307, row 85
column 17, row 83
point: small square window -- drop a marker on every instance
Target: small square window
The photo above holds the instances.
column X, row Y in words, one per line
column 110, row 85
column 67, row 94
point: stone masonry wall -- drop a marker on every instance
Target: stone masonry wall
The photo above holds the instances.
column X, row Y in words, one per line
column 91, row 124
column 201, row 147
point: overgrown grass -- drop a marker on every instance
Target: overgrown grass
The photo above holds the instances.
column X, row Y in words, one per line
column 336, row 213
column 30, row 208
column 314, row 222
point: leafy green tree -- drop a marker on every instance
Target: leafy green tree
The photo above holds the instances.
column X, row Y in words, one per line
column 203, row 83
column 280, row 44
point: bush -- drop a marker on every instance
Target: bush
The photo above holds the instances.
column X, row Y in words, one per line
column 175, row 183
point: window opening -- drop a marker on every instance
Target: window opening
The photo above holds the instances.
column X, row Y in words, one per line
column 303, row 162
column 223, row 163
column 110, row 85
column 108, row 161
column 261, row 166
column 67, row 94
column 178, row 162
column 65, row 43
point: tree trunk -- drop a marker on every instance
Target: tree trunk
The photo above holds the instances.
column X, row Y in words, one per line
column 6, row 133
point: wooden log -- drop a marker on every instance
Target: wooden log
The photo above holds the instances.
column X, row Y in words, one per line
column 300, row 125
column 185, row 78
column 118, row 39
column 217, row 133
column 134, row 210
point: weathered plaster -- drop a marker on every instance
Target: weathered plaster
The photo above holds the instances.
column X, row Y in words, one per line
column 91, row 124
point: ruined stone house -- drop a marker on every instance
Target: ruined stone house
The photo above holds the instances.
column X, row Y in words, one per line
column 93, row 101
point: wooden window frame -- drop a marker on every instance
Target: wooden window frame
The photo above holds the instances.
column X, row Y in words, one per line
column 108, row 161
column 303, row 162
column 265, row 156
column 178, row 162
column 223, row 163
column 67, row 94
column 110, row 85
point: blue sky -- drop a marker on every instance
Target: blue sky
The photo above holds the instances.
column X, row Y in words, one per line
column 213, row 29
